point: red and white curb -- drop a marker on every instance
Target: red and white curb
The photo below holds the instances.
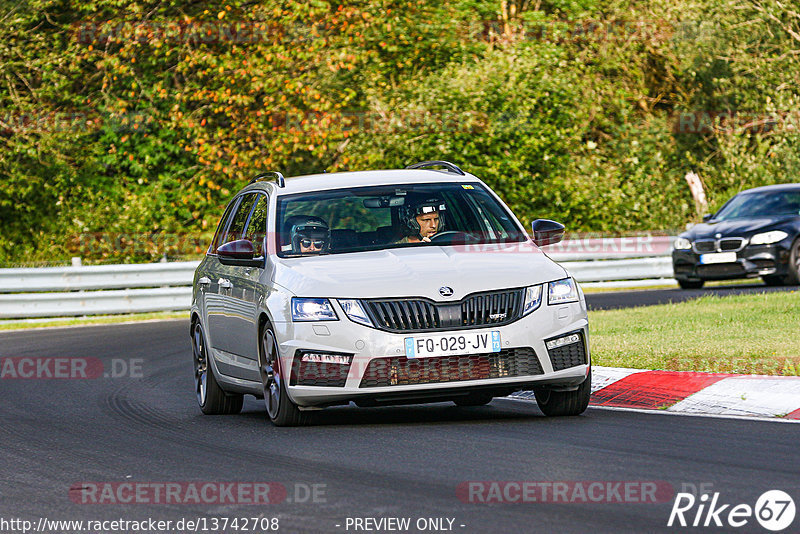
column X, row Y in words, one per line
column 695, row 393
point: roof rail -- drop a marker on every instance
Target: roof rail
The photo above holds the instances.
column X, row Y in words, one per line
column 437, row 163
column 279, row 179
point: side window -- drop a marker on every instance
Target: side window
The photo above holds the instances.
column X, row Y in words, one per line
column 223, row 223
column 257, row 227
column 236, row 228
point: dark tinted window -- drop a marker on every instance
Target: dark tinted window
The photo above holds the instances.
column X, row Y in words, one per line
column 257, row 227
column 767, row 204
column 373, row 218
column 236, row 228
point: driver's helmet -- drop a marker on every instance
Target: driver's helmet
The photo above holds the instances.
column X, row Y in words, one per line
column 414, row 207
column 308, row 230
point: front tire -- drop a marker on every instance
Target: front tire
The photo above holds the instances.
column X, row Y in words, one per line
column 280, row 408
column 793, row 276
column 210, row 396
column 559, row 403
column 690, row 284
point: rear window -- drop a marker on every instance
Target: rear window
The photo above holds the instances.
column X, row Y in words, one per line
column 375, row 218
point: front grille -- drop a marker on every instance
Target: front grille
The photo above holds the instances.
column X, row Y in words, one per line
column 726, row 244
column 401, row 371
column 568, row 355
column 318, row 373
column 493, row 308
column 731, row 244
column 683, row 268
column 722, row 269
column 705, row 246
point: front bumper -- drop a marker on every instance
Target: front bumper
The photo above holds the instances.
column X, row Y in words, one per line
column 494, row 373
column 751, row 262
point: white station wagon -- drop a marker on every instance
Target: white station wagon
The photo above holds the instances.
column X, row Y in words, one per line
column 383, row 287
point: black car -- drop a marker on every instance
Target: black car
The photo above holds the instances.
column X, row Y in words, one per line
column 754, row 234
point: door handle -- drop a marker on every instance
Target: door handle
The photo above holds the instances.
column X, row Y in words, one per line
column 224, row 284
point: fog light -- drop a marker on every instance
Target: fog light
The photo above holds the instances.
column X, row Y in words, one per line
column 561, row 341
column 322, row 357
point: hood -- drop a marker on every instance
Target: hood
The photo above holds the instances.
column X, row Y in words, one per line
column 735, row 227
column 417, row 271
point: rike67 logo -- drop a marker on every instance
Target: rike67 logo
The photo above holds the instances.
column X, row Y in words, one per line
column 774, row 510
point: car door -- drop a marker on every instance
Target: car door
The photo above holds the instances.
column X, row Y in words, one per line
column 224, row 319
column 243, row 317
column 208, row 279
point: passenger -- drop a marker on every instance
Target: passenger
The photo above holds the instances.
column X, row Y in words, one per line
column 306, row 234
column 421, row 220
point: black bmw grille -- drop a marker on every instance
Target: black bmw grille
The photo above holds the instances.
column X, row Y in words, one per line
column 568, row 355
column 732, row 243
column 400, row 371
column 705, row 246
column 417, row 315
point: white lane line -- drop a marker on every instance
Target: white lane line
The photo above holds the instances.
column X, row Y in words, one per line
column 745, row 396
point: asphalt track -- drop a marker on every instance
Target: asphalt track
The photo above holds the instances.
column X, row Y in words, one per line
column 379, row 462
column 649, row 297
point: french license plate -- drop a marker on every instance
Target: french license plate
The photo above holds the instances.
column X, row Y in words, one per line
column 450, row 344
column 719, row 257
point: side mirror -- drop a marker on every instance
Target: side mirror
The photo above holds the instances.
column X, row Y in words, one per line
column 240, row 252
column 547, row 232
column 707, row 217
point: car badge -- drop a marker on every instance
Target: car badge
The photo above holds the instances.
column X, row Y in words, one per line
column 446, row 291
column 718, row 236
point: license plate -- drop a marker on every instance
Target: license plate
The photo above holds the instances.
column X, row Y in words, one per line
column 451, row 344
column 719, row 257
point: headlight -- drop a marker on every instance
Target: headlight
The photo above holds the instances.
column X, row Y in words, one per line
column 312, row 310
column 562, row 291
column 682, row 244
column 355, row 311
column 768, row 237
column 533, row 298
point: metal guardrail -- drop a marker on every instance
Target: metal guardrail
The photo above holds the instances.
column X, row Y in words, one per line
column 116, row 289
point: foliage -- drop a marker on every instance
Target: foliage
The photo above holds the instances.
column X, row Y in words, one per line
column 125, row 126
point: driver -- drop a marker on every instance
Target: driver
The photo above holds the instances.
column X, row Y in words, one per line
column 307, row 235
column 422, row 219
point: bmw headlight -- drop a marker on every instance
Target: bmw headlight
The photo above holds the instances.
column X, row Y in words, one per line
column 768, row 237
column 562, row 291
column 682, row 244
column 355, row 311
column 533, row 298
column 305, row 309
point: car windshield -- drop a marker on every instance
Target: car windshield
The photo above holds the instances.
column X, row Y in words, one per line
column 381, row 217
column 752, row 205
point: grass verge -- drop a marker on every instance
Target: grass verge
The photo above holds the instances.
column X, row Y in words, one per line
column 749, row 334
column 95, row 319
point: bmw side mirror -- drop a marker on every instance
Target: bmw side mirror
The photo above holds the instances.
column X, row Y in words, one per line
column 240, row 252
column 707, row 217
column 547, row 232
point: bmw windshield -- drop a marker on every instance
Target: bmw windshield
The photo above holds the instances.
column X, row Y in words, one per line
column 755, row 205
column 381, row 217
